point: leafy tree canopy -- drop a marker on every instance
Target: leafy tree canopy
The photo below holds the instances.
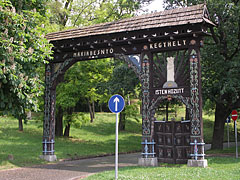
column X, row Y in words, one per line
column 36, row 5
column 23, row 49
column 78, row 13
column 82, row 81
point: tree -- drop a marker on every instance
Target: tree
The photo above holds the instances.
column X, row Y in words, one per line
column 36, row 5
column 81, row 82
column 23, row 49
column 220, row 61
column 68, row 13
column 124, row 82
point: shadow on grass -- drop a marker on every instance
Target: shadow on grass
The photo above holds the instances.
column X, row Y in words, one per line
column 108, row 128
column 103, row 128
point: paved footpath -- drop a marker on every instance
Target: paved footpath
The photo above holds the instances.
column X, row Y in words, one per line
column 69, row 170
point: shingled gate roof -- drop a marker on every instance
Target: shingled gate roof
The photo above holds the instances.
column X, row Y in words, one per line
column 181, row 16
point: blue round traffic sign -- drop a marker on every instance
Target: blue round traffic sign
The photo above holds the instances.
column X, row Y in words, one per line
column 116, row 103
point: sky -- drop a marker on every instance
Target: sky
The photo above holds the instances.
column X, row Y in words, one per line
column 156, row 5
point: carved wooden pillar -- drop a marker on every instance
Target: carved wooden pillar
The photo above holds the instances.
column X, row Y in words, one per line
column 146, row 125
column 196, row 138
column 148, row 154
column 49, row 115
column 54, row 74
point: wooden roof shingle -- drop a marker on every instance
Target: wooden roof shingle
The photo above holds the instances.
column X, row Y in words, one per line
column 175, row 17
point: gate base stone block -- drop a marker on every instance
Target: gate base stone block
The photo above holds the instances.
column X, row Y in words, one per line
column 197, row 163
column 49, row 158
column 148, row 162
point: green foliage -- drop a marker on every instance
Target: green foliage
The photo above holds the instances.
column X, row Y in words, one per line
column 77, row 119
column 123, row 81
column 37, row 5
column 66, row 14
column 209, row 107
column 132, row 111
column 23, row 49
column 82, row 81
column 221, row 54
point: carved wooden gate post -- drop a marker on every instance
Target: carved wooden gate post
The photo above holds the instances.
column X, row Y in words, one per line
column 148, row 155
column 49, row 116
column 196, row 137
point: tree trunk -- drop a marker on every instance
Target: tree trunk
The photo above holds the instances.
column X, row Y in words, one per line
column 187, row 117
column 122, row 121
column 221, row 113
column 90, row 111
column 93, row 109
column 59, row 122
column 69, row 120
column 67, row 130
column 20, row 124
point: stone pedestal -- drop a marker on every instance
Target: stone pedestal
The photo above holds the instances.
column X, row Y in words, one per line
column 197, row 163
column 148, row 162
column 49, row 158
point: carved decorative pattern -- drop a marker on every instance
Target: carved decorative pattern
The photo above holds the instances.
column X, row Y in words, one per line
column 62, row 68
column 146, row 124
column 52, row 119
column 194, row 83
column 50, row 96
column 181, row 69
column 160, row 153
column 144, row 76
column 47, row 105
column 179, row 153
column 169, row 153
column 160, row 140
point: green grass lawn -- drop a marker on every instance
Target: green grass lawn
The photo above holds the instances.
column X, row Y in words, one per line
column 218, row 169
column 91, row 139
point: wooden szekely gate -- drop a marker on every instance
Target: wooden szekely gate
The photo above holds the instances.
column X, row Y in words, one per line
column 163, row 49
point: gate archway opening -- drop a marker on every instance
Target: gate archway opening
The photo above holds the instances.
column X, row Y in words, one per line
column 168, row 44
column 172, row 131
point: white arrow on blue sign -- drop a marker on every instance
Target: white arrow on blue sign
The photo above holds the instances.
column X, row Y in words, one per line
column 228, row 120
column 116, row 103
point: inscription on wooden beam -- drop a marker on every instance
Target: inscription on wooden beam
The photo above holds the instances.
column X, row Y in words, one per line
column 168, row 44
column 106, row 52
column 96, row 52
column 169, row 91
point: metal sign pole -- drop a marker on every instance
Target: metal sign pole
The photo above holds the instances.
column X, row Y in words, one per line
column 116, row 104
column 116, row 148
column 235, row 122
column 228, row 132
